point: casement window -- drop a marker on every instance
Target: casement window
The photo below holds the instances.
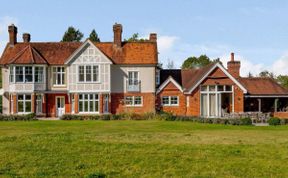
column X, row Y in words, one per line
column 88, row 73
column 24, row 103
column 58, row 75
column 38, row 104
column 133, row 77
column 19, row 74
column 170, row 100
column 88, row 103
column 133, row 101
column 39, row 74
column 11, row 76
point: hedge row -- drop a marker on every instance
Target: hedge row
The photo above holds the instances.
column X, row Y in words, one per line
column 159, row 116
column 16, row 117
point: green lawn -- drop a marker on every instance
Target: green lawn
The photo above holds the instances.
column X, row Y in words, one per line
column 141, row 149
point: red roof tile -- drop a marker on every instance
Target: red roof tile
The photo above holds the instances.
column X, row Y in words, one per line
column 262, row 86
column 56, row 53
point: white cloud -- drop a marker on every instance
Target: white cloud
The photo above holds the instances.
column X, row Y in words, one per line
column 166, row 42
column 4, row 22
column 280, row 65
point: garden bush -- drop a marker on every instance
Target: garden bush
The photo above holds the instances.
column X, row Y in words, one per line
column 246, row 121
column 274, row 121
column 18, row 117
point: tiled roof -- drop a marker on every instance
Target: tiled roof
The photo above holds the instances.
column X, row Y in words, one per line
column 56, row 53
column 262, row 86
column 186, row 78
column 28, row 56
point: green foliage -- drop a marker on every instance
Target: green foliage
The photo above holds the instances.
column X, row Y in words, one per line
column 72, row 35
column 192, row 62
column 94, row 36
column 246, row 121
column 16, row 117
column 274, row 121
column 135, row 38
column 283, row 80
column 267, row 74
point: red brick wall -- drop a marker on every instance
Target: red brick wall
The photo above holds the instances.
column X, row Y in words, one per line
column 281, row 115
column 238, row 99
column 118, row 105
column 194, row 103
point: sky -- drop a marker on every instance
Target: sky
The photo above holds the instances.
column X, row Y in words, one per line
column 255, row 30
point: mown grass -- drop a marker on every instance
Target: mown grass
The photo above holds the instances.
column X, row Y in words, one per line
column 141, row 149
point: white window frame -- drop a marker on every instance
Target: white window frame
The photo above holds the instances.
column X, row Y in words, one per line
column 89, row 99
column 169, row 101
column 41, row 75
column 133, row 104
column 92, row 73
column 216, row 92
column 24, row 103
column 62, row 79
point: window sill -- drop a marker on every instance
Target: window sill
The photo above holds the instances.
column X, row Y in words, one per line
column 133, row 106
column 170, row 105
column 88, row 82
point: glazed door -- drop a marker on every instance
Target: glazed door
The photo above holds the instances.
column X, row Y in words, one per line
column 60, row 106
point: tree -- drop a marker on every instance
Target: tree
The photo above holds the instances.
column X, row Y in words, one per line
column 200, row 61
column 170, row 64
column 135, row 38
column 250, row 75
column 94, row 36
column 267, row 74
column 283, row 80
column 72, row 35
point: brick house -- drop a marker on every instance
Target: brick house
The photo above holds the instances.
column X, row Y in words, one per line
column 53, row 78
column 213, row 91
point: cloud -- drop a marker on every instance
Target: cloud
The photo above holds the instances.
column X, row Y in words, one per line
column 166, row 42
column 4, row 22
column 279, row 67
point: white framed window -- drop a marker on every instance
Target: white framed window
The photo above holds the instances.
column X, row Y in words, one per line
column 39, row 74
column 88, row 103
column 133, row 77
column 19, row 73
column 24, row 103
column 58, row 75
column 12, row 74
column 170, row 100
column 88, row 73
column 38, row 103
column 133, row 100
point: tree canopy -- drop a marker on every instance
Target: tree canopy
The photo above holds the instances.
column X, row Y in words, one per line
column 281, row 79
column 200, row 61
column 94, row 36
column 134, row 38
column 72, row 35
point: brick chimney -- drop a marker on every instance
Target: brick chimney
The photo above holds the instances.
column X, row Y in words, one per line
column 26, row 37
column 234, row 67
column 12, row 29
column 117, row 29
column 153, row 37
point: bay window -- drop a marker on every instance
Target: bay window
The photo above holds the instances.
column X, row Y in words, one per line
column 88, row 103
column 88, row 73
column 58, row 76
column 24, row 103
column 26, row 74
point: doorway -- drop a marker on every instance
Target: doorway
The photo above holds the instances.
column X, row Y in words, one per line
column 60, row 106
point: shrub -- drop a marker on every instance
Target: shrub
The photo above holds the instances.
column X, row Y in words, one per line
column 18, row 117
column 283, row 121
column 167, row 116
column 274, row 121
column 246, row 121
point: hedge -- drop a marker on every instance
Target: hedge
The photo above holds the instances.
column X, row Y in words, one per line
column 18, row 117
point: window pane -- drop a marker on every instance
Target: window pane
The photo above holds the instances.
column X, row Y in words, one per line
column 28, row 106
column 212, row 88
column 91, row 106
column 39, row 74
column 165, row 100
column 212, row 103
column 19, row 74
column 63, row 79
column 203, row 88
column 95, row 73
column 174, row 100
column 220, row 88
column 20, row 106
column 20, row 97
column 80, row 106
column 27, row 97
column 96, row 106
column 128, row 100
column 81, row 73
column 59, row 81
column 204, row 106
column 12, row 74
column 80, row 97
column 137, row 100
column 88, row 73
column 86, row 105
column 228, row 88
column 28, row 74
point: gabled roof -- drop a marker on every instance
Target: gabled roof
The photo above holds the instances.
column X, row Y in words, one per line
column 263, row 86
column 28, row 56
column 56, row 53
column 189, row 79
column 168, row 80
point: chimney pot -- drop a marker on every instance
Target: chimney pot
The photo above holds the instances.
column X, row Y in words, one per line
column 117, row 29
column 26, row 37
column 12, row 29
column 232, row 56
column 153, row 37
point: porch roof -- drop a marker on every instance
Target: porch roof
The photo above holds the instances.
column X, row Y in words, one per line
column 263, row 87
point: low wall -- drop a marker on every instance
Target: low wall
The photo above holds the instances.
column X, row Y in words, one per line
column 281, row 114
